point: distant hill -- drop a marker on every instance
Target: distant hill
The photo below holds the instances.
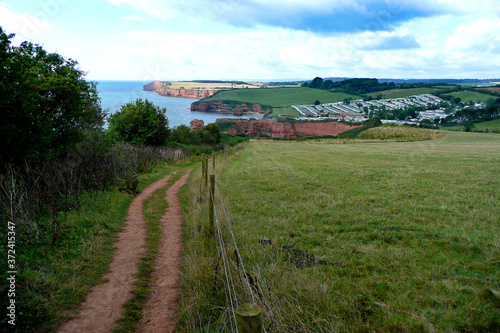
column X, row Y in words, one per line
column 411, row 81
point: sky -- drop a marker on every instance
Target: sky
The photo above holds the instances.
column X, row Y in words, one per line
column 264, row 39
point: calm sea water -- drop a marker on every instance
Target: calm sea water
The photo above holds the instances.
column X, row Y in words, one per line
column 114, row 94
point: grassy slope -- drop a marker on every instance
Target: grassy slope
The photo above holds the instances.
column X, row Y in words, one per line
column 414, row 227
column 401, row 93
column 280, row 97
column 475, row 96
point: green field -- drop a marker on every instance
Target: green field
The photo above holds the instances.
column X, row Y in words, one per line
column 401, row 93
column 474, row 96
column 280, row 97
column 490, row 125
column 366, row 237
column 445, row 87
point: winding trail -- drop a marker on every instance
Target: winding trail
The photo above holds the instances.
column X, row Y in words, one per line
column 160, row 311
column 104, row 303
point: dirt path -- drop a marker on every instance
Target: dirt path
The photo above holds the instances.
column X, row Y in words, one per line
column 104, row 303
column 160, row 311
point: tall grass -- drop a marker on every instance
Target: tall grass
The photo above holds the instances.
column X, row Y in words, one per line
column 385, row 237
column 399, row 133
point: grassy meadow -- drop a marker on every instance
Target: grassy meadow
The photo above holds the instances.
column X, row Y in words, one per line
column 472, row 96
column 366, row 236
column 280, row 97
column 401, row 93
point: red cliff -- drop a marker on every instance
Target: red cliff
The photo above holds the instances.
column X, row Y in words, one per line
column 274, row 129
column 196, row 124
column 223, row 107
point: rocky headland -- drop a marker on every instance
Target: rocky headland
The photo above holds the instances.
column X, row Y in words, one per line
column 229, row 107
column 162, row 88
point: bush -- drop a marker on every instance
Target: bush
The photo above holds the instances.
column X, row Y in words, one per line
column 212, row 134
column 140, row 122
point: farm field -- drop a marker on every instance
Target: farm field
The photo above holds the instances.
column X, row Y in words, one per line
column 468, row 96
column 280, row 97
column 401, row 93
column 495, row 89
column 384, row 237
column 210, row 85
column 490, row 125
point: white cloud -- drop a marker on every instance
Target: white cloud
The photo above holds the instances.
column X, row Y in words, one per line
column 133, row 18
column 25, row 26
column 481, row 35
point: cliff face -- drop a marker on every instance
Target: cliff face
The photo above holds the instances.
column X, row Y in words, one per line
column 285, row 130
column 222, row 107
column 161, row 89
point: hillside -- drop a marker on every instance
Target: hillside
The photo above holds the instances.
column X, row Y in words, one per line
column 279, row 97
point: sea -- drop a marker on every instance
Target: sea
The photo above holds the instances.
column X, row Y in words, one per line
column 114, row 94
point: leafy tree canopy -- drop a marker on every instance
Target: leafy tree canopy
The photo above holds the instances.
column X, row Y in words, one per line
column 212, row 134
column 46, row 105
column 140, row 122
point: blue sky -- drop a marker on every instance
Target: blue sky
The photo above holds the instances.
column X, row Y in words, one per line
column 264, row 39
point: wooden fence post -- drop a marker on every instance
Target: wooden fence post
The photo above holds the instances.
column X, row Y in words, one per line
column 249, row 318
column 206, row 170
column 211, row 212
column 203, row 170
column 213, row 161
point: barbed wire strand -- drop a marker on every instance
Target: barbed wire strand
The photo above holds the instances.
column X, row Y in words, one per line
column 236, row 247
column 229, row 279
column 235, row 244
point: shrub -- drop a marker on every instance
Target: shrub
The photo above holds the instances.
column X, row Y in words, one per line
column 140, row 122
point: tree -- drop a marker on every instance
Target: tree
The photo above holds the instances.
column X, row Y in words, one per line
column 316, row 102
column 140, row 122
column 212, row 134
column 327, row 84
column 46, row 104
column 183, row 135
column 469, row 127
column 316, row 83
column 457, row 100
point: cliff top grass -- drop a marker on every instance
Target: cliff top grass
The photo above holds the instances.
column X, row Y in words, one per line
column 380, row 236
column 280, row 97
column 194, row 85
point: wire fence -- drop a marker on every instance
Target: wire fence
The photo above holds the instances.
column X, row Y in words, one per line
column 237, row 281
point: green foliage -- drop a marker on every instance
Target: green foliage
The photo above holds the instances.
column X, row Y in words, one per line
column 212, row 134
column 316, row 83
column 46, row 104
column 184, row 136
column 140, row 122
column 469, row 127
